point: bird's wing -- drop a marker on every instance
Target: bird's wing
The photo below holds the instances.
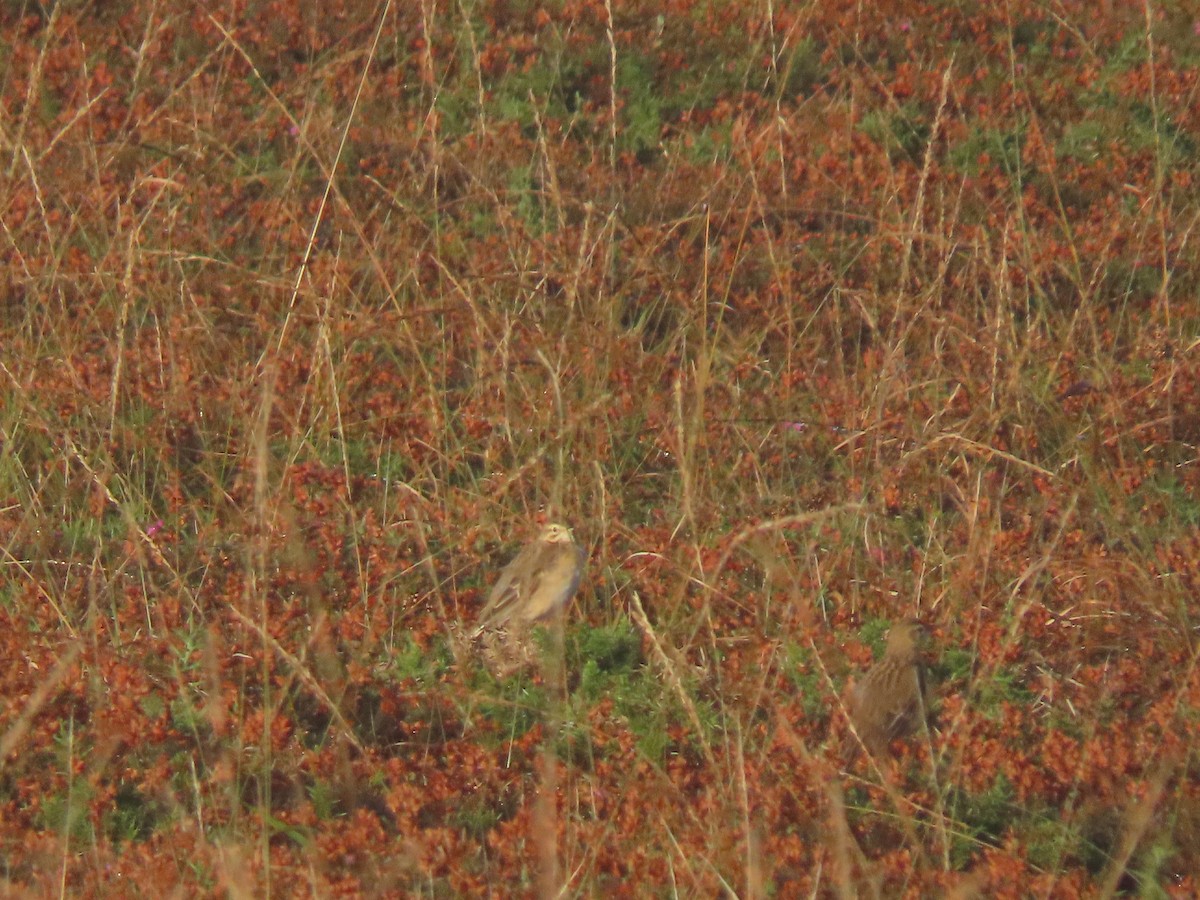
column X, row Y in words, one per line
column 509, row 588
column 907, row 716
column 553, row 580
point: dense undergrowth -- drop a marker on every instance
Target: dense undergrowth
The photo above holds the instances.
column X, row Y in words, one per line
column 805, row 317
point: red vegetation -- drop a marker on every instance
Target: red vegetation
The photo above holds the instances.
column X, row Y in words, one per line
column 310, row 313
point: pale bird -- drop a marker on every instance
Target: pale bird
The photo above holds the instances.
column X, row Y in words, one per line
column 889, row 701
column 541, row 579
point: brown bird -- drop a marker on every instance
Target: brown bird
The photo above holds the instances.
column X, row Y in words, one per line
column 541, row 579
column 889, row 701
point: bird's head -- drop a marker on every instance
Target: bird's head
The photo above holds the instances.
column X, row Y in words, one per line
column 557, row 534
column 907, row 639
